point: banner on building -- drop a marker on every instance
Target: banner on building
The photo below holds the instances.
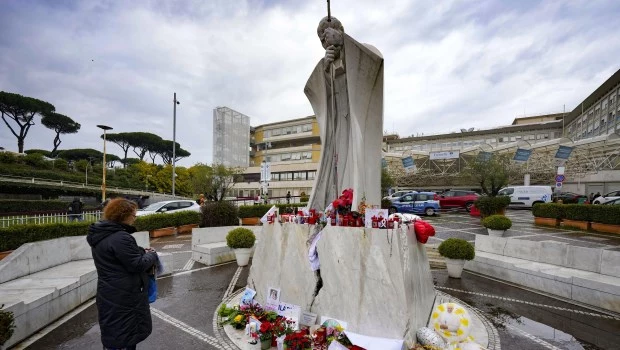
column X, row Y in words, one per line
column 409, row 164
column 563, row 152
column 444, row 155
column 484, row 156
column 522, row 155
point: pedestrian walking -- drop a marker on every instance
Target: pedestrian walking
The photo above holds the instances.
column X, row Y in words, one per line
column 122, row 269
column 76, row 209
column 288, row 197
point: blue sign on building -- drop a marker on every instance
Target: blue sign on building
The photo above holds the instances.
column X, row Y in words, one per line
column 563, row 152
column 407, row 162
column 522, row 155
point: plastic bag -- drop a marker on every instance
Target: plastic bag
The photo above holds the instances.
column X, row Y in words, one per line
column 423, row 230
column 152, row 290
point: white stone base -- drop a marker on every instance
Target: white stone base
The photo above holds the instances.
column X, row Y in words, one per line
column 378, row 281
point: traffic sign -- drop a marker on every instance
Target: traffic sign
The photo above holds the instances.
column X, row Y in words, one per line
column 559, row 178
column 558, row 185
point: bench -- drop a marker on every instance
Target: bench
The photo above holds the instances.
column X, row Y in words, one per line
column 209, row 244
column 42, row 281
column 585, row 275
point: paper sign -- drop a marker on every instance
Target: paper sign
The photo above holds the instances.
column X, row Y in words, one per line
column 290, row 311
column 248, row 295
column 374, row 342
column 273, row 299
column 380, row 213
column 308, row 318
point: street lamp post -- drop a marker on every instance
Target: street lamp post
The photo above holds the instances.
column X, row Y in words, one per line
column 174, row 139
column 104, row 128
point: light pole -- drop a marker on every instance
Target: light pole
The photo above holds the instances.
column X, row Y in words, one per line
column 104, row 128
column 174, row 138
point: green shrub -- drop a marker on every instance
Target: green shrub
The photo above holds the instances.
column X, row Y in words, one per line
column 8, row 158
column 577, row 212
column 606, row 214
column 60, row 164
column 548, row 210
column 23, row 206
column 220, row 213
column 186, row 217
column 14, row 236
column 240, row 238
column 497, row 222
column 155, row 221
column 456, row 248
column 492, row 205
column 7, row 325
column 253, row 211
column 39, row 151
column 35, row 160
column 303, row 197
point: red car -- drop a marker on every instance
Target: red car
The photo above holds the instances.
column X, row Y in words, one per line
column 457, row 199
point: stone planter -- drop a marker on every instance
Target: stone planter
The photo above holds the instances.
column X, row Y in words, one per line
column 495, row 233
column 5, row 254
column 186, row 229
column 583, row 225
column 455, row 267
column 609, row 228
column 250, row 221
column 547, row 221
column 166, row 231
column 243, row 256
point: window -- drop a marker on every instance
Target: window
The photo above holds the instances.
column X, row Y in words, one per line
column 307, row 155
column 422, row 197
column 448, row 194
column 307, row 127
column 267, row 133
column 300, row 175
column 311, row 175
column 285, row 156
column 275, row 132
column 506, row 192
column 407, row 198
column 185, row 204
column 170, row 206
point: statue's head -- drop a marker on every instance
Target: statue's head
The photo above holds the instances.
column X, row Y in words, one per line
column 325, row 27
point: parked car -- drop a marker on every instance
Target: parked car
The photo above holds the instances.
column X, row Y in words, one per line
column 606, row 198
column 458, row 199
column 613, row 202
column 416, row 203
column 169, row 206
column 570, row 197
column 527, row 196
column 396, row 195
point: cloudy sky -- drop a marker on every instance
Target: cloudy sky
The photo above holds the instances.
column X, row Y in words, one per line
column 448, row 64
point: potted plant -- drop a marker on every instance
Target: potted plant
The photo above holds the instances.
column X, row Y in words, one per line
column 251, row 214
column 489, row 205
column 187, row 220
column 158, row 225
column 577, row 216
column 266, row 335
column 606, row 218
column 241, row 240
column 456, row 251
column 496, row 225
column 548, row 214
column 7, row 325
column 298, row 340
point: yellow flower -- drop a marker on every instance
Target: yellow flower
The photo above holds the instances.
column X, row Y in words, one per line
column 238, row 318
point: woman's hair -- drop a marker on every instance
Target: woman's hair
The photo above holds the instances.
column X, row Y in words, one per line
column 119, row 209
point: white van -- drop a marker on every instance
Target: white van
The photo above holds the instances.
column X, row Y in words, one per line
column 526, row 196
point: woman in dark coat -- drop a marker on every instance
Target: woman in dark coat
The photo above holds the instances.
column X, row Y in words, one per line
column 122, row 288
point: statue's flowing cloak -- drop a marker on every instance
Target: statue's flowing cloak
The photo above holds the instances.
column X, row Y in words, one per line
column 352, row 139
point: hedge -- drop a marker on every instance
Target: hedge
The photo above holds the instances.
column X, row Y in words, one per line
column 548, row 210
column 219, row 213
column 7, row 325
column 187, row 217
column 606, row 214
column 22, row 206
column 578, row 212
column 257, row 211
column 14, row 236
column 155, row 221
column 491, row 205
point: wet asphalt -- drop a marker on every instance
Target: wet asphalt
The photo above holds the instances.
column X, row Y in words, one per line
column 183, row 315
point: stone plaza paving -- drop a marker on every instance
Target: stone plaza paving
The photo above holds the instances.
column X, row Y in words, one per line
column 184, row 314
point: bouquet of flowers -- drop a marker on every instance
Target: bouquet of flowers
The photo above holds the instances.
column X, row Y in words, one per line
column 266, row 330
column 342, row 205
column 298, row 340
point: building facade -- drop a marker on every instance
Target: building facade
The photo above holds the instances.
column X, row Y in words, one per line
column 292, row 149
column 231, row 137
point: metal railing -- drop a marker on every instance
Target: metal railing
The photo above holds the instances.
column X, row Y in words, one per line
column 49, row 218
column 273, row 200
